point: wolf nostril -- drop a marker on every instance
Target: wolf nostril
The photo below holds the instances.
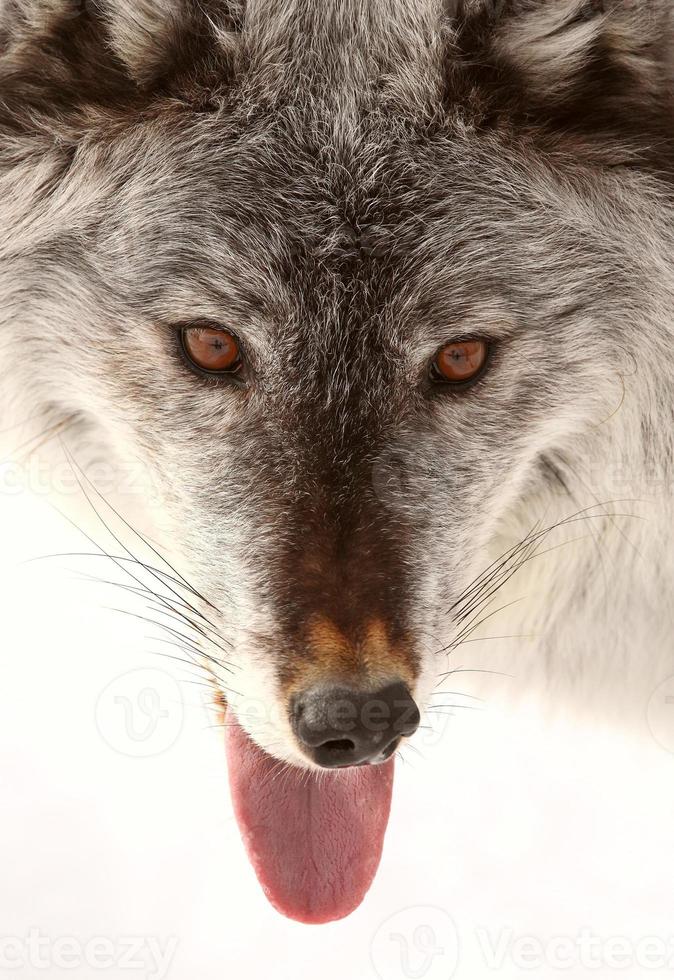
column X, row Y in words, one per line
column 342, row 726
column 339, row 745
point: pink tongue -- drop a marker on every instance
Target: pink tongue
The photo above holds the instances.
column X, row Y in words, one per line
column 313, row 838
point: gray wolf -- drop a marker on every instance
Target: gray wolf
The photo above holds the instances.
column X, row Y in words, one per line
column 381, row 293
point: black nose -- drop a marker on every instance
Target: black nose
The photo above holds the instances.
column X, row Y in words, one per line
column 340, row 726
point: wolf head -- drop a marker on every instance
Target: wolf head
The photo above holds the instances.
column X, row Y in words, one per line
column 354, row 196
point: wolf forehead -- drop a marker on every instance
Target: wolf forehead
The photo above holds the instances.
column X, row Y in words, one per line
column 349, row 117
column 347, row 143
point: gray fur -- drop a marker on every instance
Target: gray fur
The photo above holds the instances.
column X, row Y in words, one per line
column 349, row 185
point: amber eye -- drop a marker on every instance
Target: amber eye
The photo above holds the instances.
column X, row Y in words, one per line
column 212, row 349
column 461, row 362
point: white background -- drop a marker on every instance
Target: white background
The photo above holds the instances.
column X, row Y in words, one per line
column 552, row 844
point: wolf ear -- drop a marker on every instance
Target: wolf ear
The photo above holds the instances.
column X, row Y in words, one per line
column 143, row 32
column 60, row 55
column 591, row 64
column 155, row 38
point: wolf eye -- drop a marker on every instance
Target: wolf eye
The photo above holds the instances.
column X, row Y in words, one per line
column 460, row 363
column 212, row 349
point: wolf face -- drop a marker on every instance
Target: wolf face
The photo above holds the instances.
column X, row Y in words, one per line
column 348, row 193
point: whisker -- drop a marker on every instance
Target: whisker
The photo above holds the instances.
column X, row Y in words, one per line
column 470, row 670
column 458, row 694
column 534, row 535
column 466, row 707
column 42, row 438
column 178, row 617
column 146, row 591
column 112, row 533
column 73, row 462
